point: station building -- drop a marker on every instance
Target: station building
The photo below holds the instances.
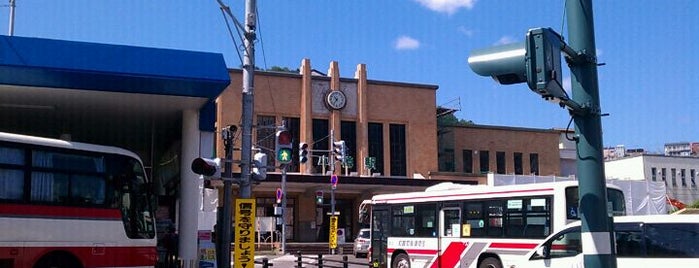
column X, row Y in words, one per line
column 391, row 122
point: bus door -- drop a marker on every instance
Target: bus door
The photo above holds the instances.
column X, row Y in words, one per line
column 379, row 235
column 450, row 246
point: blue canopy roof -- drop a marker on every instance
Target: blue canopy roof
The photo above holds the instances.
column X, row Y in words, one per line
column 80, row 65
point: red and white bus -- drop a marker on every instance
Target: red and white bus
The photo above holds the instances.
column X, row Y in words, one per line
column 69, row 204
column 472, row 226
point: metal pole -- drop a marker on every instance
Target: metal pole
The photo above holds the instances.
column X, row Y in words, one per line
column 283, row 245
column 225, row 223
column 11, row 30
column 332, row 172
column 597, row 232
column 248, row 99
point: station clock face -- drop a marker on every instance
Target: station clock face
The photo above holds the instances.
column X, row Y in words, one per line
column 336, row 100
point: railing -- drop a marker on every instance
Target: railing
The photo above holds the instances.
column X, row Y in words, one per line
column 320, row 262
column 265, row 263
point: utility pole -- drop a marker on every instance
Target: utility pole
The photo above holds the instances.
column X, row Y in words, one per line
column 597, row 226
column 248, row 98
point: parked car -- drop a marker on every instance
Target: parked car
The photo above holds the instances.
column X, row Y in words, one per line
column 641, row 241
column 361, row 243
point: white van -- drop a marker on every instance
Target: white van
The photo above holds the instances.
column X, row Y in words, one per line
column 641, row 241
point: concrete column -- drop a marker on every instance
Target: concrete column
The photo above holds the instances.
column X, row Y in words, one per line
column 306, row 120
column 335, row 116
column 190, row 193
column 362, row 118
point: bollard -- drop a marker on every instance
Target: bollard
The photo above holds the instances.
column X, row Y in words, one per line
column 344, row 261
column 298, row 259
column 265, row 263
column 320, row 260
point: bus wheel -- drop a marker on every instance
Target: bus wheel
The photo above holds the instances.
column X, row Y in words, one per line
column 58, row 260
column 401, row 261
column 490, row 262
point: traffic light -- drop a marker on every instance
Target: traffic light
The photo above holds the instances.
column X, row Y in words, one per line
column 283, row 147
column 339, row 150
column 319, row 197
column 209, row 168
column 259, row 166
column 303, row 152
column 536, row 61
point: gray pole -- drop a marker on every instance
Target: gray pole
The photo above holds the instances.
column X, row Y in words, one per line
column 283, row 242
column 225, row 235
column 11, row 31
column 332, row 173
column 597, row 232
column 248, row 99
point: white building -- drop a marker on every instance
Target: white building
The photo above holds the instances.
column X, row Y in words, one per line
column 678, row 173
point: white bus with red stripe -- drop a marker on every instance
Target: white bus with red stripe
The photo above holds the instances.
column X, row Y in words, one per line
column 69, row 204
column 472, row 226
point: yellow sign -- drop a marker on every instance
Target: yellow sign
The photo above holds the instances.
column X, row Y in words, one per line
column 244, row 230
column 333, row 232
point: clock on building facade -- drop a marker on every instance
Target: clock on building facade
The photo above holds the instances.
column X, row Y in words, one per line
column 336, row 99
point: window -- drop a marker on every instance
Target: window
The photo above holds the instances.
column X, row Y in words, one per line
column 426, row 220
column 500, row 162
column 653, row 174
column 683, row 177
column 534, row 163
column 467, row 161
column 320, row 140
column 403, row 220
column 495, row 213
column 672, row 240
column 474, row 219
column 446, row 160
column 375, row 136
column 663, row 175
column 629, row 240
column 518, row 163
column 566, row 244
column 266, row 134
column 692, row 177
column 452, row 222
column 349, row 135
column 484, row 161
column 673, row 175
column 528, row 217
column 11, row 173
column 397, row 150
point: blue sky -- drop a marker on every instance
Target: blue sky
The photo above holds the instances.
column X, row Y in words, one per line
column 649, row 48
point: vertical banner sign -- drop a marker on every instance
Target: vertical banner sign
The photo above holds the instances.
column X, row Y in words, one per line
column 333, row 232
column 244, row 249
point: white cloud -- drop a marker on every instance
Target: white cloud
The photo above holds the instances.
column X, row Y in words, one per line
column 406, row 43
column 466, row 31
column 447, row 6
column 567, row 85
column 505, row 40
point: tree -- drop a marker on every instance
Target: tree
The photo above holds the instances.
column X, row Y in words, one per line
column 452, row 120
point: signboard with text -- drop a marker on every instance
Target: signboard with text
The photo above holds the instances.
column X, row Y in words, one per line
column 333, row 232
column 244, row 233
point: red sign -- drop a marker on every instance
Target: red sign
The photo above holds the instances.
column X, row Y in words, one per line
column 279, row 195
column 333, row 181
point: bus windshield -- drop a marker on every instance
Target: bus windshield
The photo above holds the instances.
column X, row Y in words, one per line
column 134, row 196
